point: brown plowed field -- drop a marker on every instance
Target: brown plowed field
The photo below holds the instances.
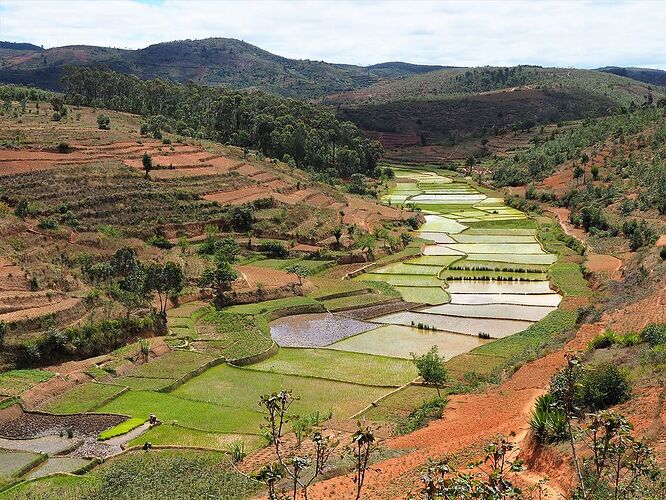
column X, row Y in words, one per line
column 266, row 276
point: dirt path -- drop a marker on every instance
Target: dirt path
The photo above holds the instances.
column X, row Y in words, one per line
column 563, row 216
column 469, row 419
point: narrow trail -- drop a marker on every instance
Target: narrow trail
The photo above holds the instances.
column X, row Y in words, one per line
column 469, row 420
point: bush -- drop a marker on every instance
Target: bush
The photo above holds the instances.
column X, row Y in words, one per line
column 662, row 253
column 48, row 223
column 160, row 242
column 64, row 147
column 104, row 122
column 654, row 334
column 603, row 386
column 603, row 341
column 419, row 418
column 274, row 249
column 548, row 423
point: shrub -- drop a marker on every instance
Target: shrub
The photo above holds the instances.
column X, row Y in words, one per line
column 654, row 334
column 48, row 223
column 548, row 423
column 603, row 386
column 160, row 242
column 274, row 249
column 603, row 341
column 419, row 418
column 64, row 147
column 662, row 253
column 104, row 122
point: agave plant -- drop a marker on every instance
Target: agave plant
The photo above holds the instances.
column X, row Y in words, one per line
column 548, row 423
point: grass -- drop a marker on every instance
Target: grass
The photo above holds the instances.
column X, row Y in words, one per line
column 187, row 413
column 174, row 435
column 13, row 462
column 407, row 268
column 494, row 356
column 432, row 295
column 270, row 305
column 238, row 335
column 14, row 382
column 241, row 388
column 142, row 383
column 403, row 279
column 313, row 266
column 122, row 428
column 344, row 303
column 82, row 398
column 399, row 404
column 327, row 287
column 170, row 474
column 173, row 365
column 569, row 278
column 339, row 365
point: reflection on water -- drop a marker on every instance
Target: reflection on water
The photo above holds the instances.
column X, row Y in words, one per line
column 315, row 330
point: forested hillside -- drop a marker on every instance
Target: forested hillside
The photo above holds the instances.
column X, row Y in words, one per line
column 647, row 75
column 212, row 62
column 453, row 102
column 300, row 133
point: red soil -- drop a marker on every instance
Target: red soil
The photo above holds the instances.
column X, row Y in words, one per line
column 604, row 264
column 266, row 276
column 651, row 309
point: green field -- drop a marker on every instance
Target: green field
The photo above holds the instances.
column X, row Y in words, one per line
column 175, row 435
column 569, row 278
column 82, row 398
column 158, row 474
column 14, row 382
column 173, row 365
column 344, row 303
column 199, row 414
column 231, row 387
column 270, row 305
column 432, row 295
column 342, row 366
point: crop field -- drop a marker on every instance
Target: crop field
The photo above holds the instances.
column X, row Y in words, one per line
column 401, row 403
column 14, row 382
column 226, row 387
column 341, row 366
column 179, row 436
column 496, row 328
column 354, row 301
column 83, row 398
column 498, row 311
column 541, row 300
column 424, row 294
column 400, row 341
column 196, row 414
column 315, row 330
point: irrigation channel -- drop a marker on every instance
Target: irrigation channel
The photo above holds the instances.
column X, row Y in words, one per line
column 482, row 275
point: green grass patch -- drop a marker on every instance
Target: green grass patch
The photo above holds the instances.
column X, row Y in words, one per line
column 327, row 287
column 314, row 266
column 340, row 365
column 199, row 414
column 239, row 335
column 122, row 428
column 143, row 383
column 432, row 295
column 401, row 403
column 344, row 303
column 174, row 435
column 82, row 398
column 270, row 305
column 173, row 365
column 569, row 278
column 241, row 388
column 14, row 382
column 174, row 474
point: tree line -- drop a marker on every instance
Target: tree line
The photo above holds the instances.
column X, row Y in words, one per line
column 298, row 132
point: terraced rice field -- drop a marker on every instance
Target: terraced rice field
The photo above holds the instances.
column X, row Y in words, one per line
column 484, row 273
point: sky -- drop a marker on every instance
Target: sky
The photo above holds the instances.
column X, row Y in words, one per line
column 575, row 33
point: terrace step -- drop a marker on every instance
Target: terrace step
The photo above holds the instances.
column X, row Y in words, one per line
column 369, row 312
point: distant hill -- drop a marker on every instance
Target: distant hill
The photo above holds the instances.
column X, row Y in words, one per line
column 19, row 46
column 452, row 102
column 647, row 75
column 211, row 61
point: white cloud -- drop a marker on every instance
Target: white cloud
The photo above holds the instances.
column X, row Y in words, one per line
column 466, row 33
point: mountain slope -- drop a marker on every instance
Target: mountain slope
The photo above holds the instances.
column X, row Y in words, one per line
column 458, row 101
column 647, row 75
column 212, row 61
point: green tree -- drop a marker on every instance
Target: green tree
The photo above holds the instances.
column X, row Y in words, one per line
column 219, row 278
column 147, row 162
column 431, row 368
column 103, row 122
column 164, row 281
column 300, row 271
column 337, row 233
